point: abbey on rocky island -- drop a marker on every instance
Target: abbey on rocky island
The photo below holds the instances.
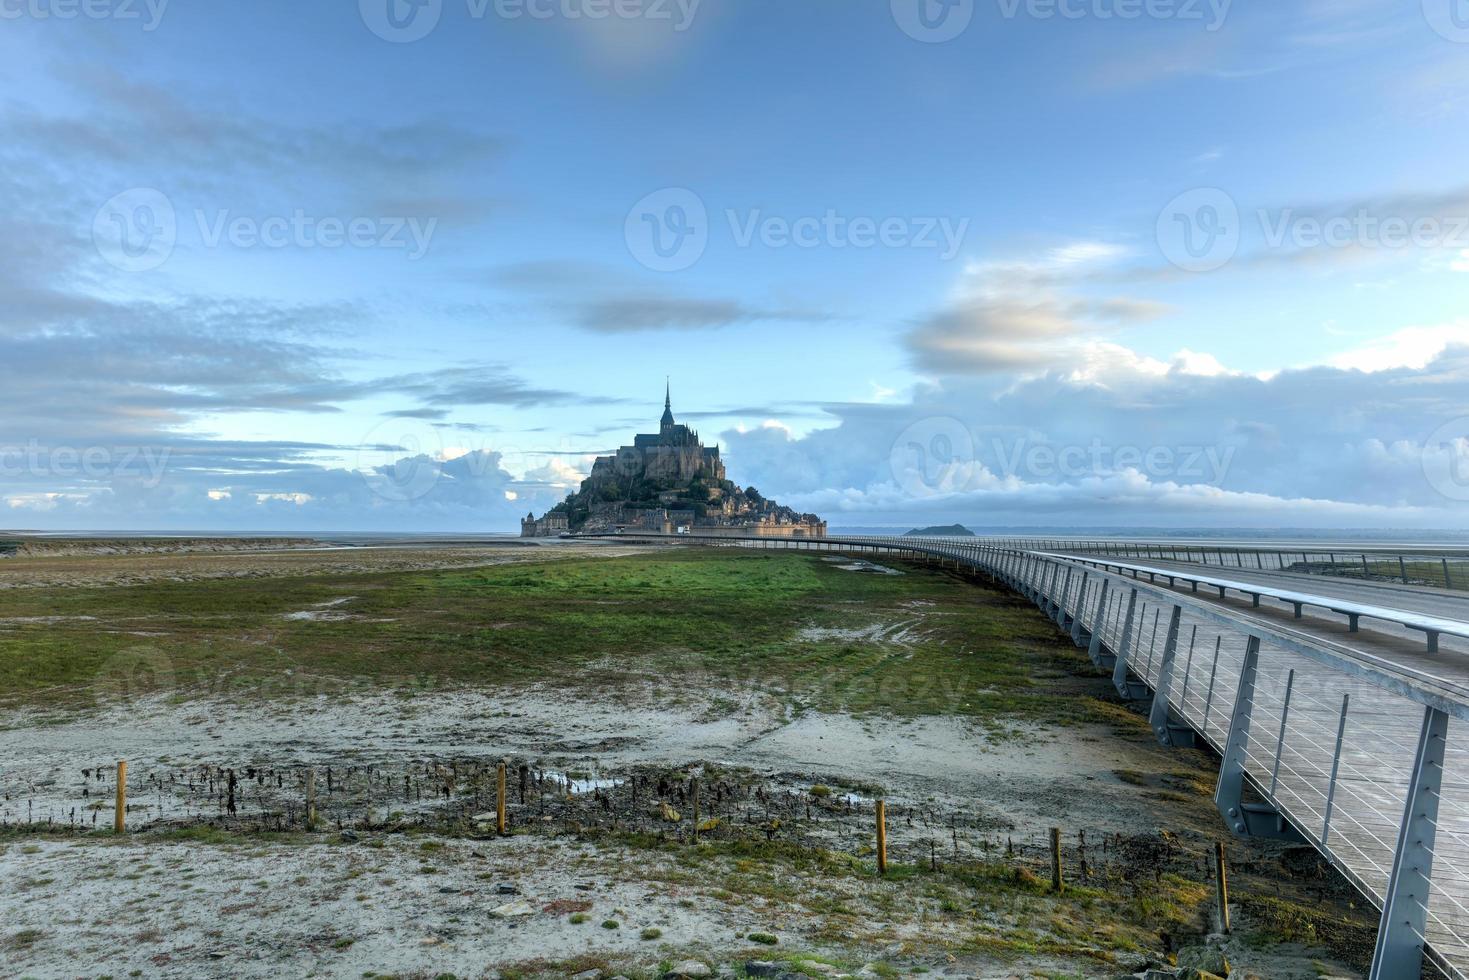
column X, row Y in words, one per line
column 669, row 482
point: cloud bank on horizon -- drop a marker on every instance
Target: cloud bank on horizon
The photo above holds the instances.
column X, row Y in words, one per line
column 411, row 267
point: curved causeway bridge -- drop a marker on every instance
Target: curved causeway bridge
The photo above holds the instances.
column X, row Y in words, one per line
column 1335, row 722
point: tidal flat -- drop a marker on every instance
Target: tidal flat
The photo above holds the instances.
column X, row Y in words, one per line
column 694, row 741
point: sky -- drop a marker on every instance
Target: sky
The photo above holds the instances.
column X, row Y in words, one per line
column 410, row 265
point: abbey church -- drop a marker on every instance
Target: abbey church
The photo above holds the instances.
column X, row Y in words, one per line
column 669, row 482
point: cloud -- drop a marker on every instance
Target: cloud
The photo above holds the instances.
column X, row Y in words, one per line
column 1025, row 314
column 1412, row 347
column 601, row 299
column 1121, row 439
column 470, row 491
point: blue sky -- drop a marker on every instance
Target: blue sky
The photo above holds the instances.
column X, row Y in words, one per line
column 1213, row 256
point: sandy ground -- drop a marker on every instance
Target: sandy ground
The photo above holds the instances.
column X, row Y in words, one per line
column 946, row 759
column 383, row 903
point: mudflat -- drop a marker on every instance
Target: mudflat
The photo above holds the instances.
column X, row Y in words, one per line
column 694, row 743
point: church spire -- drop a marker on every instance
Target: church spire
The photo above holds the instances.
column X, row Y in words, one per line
column 667, row 419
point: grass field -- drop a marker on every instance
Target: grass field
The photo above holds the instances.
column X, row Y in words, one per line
column 792, row 624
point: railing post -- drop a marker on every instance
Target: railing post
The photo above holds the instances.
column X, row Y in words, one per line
column 1158, row 716
column 1094, row 648
column 1400, row 935
column 1290, row 684
column 1061, row 599
column 1213, row 674
column 1119, row 670
column 1341, row 732
column 1188, row 666
column 1076, row 616
column 1229, row 795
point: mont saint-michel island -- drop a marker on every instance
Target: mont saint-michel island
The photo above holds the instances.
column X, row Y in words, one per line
column 669, row 482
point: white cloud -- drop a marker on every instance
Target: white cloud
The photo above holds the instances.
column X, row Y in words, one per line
column 1412, row 347
column 1125, row 439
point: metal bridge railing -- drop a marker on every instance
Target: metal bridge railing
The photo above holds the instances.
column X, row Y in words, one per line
column 1363, row 758
column 1446, row 568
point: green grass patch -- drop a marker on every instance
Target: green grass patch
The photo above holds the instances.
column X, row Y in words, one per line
column 792, row 625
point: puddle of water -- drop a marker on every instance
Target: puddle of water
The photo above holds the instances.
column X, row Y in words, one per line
column 578, row 787
column 322, row 611
column 867, row 566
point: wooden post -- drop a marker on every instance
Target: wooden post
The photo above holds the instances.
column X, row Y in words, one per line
column 500, row 823
column 310, row 799
column 882, row 837
column 1056, row 883
column 1221, row 887
column 694, row 795
column 119, row 813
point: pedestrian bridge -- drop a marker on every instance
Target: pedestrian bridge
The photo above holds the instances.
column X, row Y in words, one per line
column 1354, row 740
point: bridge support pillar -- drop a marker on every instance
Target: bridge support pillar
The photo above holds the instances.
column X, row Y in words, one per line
column 1400, row 935
column 1246, row 819
column 1169, row 729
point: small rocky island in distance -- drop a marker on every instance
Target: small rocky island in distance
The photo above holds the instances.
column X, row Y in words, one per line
column 946, row 531
column 668, row 482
